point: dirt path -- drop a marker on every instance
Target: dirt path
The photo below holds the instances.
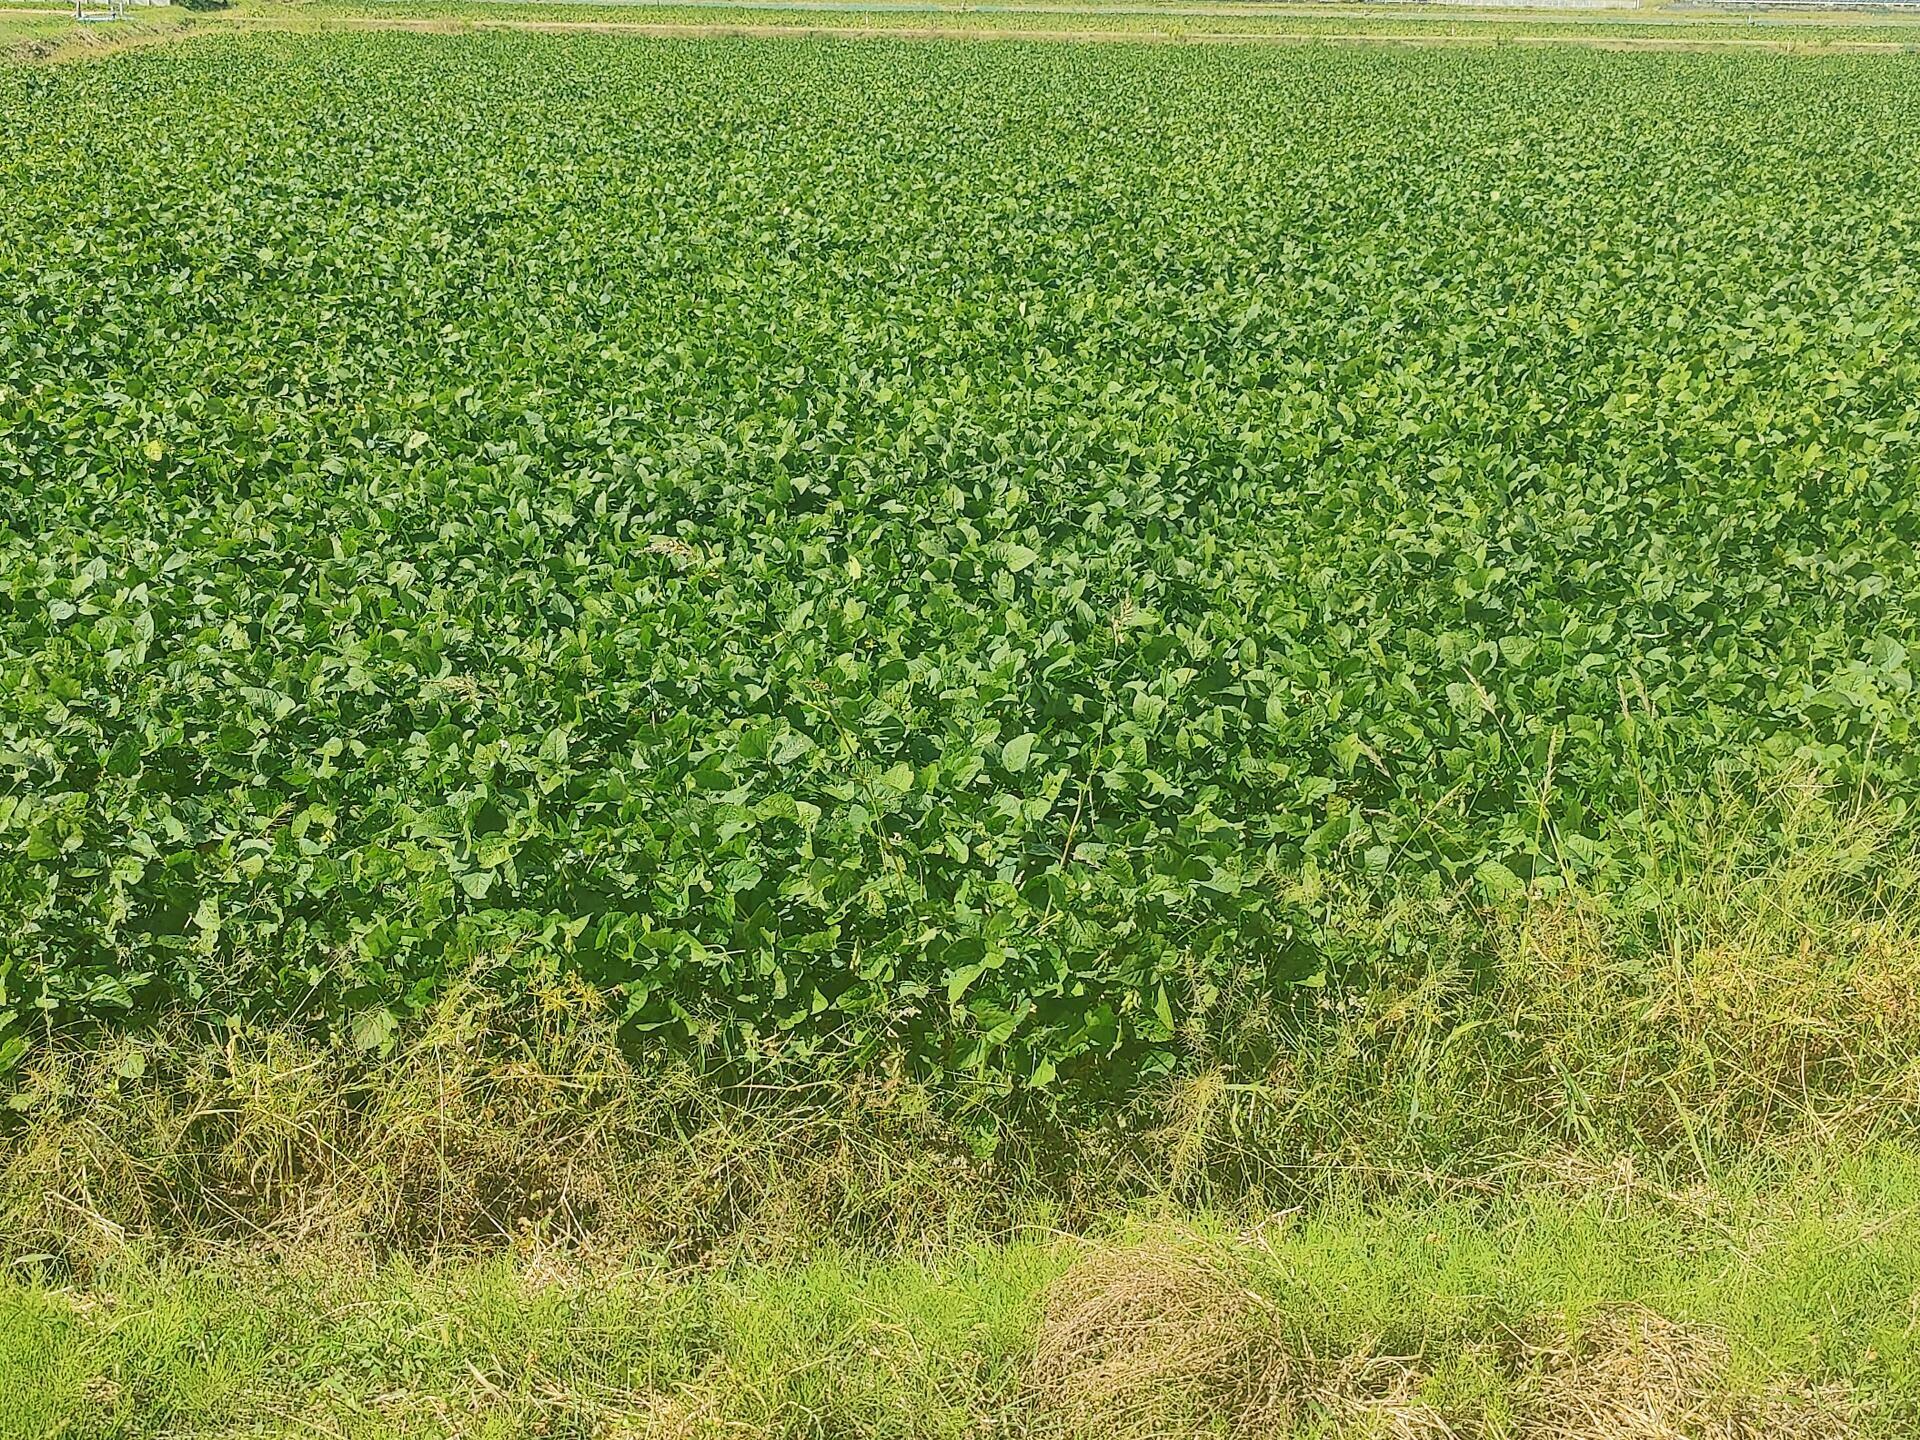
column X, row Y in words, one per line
column 828, row 30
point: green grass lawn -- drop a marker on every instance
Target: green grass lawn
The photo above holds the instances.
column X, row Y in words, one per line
column 20, row 30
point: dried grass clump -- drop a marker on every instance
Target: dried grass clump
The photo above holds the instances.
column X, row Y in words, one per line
column 1630, row 1374
column 1160, row 1338
column 1378, row 1397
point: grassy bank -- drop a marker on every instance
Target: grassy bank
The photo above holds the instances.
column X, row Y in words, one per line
column 1770, row 1303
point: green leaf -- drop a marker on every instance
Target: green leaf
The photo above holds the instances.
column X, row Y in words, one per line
column 960, row 979
column 791, row 745
column 1015, row 754
column 374, row 1030
column 1499, row 882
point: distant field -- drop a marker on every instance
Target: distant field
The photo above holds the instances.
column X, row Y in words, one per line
column 1627, row 25
column 39, row 32
column 33, row 30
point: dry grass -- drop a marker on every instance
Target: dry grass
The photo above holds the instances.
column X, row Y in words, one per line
column 492, row 1124
column 1160, row 1339
column 1171, row 1337
column 1772, row 991
column 1166, row 1336
column 1752, row 990
column 1630, row 1374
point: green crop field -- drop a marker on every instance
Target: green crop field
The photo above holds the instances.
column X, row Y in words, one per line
column 899, row 737
column 920, row 549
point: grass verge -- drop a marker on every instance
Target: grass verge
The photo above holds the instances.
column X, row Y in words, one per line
column 1775, row 1303
column 33, row 35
